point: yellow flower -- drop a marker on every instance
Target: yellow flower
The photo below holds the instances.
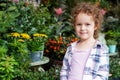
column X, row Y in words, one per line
column 25, row 36
column 36, row 35
column 15, row 34
column 40, row 35
column 43, row 35
column 21, row 40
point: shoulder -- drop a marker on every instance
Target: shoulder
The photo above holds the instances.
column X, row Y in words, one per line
column 104, row 46
column 101, row 46
column 71, row 47
column 72, row 44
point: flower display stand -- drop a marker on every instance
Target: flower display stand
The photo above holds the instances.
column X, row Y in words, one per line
column 113, row 54
column 37, row 65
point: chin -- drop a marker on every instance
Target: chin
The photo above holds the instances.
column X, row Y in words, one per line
column 84, row 37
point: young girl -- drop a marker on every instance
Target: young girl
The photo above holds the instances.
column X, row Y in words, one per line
column 86, row 59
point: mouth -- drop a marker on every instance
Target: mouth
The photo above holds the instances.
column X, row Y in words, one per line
column 83, row 32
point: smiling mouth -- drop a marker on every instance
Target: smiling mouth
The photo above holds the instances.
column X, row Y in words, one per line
column 83, row 32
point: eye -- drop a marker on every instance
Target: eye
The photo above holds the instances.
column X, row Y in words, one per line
column 87, row 24
column 79, row 24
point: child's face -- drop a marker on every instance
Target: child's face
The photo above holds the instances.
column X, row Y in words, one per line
column 85, row 26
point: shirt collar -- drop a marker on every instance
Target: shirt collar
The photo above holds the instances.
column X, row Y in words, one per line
column 98, row 44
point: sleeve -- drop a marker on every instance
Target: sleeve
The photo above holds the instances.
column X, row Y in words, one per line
column 65, row 67
column 103, row 65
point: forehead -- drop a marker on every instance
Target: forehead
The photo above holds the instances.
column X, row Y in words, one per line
column 82, row 17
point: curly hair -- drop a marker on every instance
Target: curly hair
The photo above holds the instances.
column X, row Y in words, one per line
column 89, row 9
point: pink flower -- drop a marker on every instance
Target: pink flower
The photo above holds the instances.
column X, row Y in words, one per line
column 103, row 11
column 58, row 11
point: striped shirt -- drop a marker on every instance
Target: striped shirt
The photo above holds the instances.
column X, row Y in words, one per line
column 96, row 67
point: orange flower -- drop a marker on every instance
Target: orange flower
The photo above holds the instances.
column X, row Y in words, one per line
column 60, row 38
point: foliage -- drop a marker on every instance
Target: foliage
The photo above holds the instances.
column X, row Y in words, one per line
column 56, row 47
column 34, row 42
column 50, row 74
column 115, row 67
column 37, row 41
column 111, row 27
column 7, row 63
column 116, row 10
column 23, row 17
column 16, row 44
column 18, row 48
column 3, row 48
column 34, row 20
column 43, row 21
column 111, row 23
column 111, row 42
column 8, row 15
column 112, row 35
column 7, row 67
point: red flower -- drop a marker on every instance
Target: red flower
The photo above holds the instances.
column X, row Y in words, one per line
column 58, row 11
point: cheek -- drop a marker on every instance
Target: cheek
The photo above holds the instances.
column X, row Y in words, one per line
column 77, row 28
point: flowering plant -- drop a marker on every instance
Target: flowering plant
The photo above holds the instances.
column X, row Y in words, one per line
column 21, row 37
column 56, row 47
column 36, row 42
column 16, row 44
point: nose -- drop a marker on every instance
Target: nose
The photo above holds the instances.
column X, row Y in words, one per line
column 83, row 27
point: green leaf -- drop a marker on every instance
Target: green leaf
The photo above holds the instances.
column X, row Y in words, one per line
column 12, row 8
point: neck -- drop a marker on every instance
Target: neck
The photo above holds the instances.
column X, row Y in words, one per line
column 86, row 44
column 87, row 40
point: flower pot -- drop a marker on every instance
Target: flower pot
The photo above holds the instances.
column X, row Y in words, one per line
column 112, row 48
column 36, row 56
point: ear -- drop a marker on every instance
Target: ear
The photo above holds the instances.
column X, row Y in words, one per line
column 95, row 28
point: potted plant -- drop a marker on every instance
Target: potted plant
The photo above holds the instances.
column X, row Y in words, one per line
column 36, row 46
column 112, row 43
column 16, row 44
column 111, row 37
column 18, row 49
